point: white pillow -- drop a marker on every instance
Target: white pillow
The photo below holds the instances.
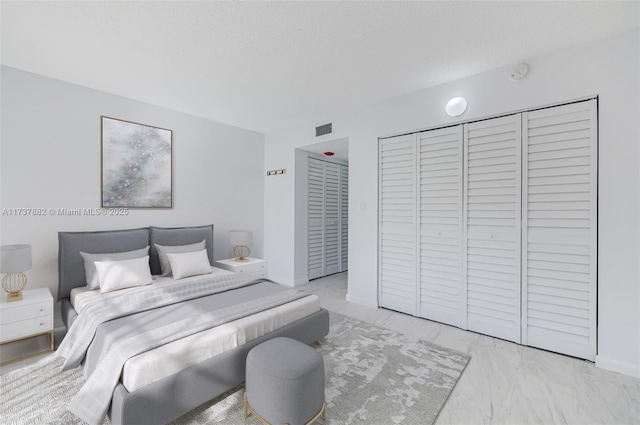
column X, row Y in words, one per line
column 91, row 275
column 122, row 274
column 189, row 264
column 163, row 250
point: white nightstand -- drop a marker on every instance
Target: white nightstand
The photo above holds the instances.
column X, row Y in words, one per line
column 32, row 316
column 255, row 266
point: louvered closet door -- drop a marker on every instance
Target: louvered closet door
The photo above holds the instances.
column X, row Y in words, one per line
column 492, row 222
column 440, row 270
column 315, row 225
column 332, row 240
column 344, row 217
column 397, row 215
column 560, row 236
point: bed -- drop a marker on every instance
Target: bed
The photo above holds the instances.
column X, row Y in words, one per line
column 140, row 399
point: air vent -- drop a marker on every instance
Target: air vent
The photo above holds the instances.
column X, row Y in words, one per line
column 324, row 129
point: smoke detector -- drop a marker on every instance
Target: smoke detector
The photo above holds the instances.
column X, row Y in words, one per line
column 518, row 72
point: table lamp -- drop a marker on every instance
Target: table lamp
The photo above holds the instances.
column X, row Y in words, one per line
column 14, row 260
column 241, row 239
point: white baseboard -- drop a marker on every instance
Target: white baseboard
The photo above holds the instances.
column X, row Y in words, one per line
column 362, row 301
column 302, row 281
column 283, row 282
column 618, row 366
column 289, row 283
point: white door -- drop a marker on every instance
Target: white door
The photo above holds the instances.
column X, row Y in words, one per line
column 397, row 215
column 559, row 239
column 492, row 214
column 440, row 213
column 344, row 218
column 315, row 224
column 332, row 242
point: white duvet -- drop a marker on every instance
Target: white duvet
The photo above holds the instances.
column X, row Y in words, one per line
column 168, row 359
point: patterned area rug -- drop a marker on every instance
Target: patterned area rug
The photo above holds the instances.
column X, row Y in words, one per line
column 373, row 376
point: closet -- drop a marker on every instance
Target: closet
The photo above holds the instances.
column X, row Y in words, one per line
column 327, row 209
column 491, row 226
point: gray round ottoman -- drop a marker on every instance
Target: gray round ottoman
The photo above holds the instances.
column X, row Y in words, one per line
column 284, row 383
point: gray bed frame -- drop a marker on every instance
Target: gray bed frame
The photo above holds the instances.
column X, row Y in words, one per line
column 175, row 395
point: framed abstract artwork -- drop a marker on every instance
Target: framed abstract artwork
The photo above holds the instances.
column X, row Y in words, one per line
column 136, row 165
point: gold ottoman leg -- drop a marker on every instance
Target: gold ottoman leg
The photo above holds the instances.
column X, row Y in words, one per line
column 245, row 405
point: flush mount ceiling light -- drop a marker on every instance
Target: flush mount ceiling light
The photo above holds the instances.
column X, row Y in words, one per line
column 456, row 106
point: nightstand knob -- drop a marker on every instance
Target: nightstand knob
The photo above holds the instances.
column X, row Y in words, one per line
column 41, row 324
column 42, row 309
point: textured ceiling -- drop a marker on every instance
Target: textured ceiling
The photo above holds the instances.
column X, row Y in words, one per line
column 271, row 65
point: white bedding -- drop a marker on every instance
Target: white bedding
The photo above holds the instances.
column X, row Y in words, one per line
column 166, row 360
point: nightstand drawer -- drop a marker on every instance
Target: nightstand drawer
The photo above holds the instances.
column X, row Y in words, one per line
column 25, row 327
column 11, row 314
column 251, row 268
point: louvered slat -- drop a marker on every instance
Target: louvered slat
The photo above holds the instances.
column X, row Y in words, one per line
column 492, row 226
column 440, row 215
column 559, row 236
column 397, row 212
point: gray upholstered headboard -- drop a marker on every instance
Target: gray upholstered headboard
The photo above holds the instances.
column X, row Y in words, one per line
column 71, row 266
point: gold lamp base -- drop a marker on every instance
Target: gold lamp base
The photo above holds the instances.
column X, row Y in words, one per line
column 242, row 253
column 14, row 297
column 13, row 284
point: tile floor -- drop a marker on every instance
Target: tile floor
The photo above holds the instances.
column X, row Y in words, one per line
column 504, row 383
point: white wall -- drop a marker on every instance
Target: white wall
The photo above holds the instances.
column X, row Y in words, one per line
column 50, row 158
column 608, row 68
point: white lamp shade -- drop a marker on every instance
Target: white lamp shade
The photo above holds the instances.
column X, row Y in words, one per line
column 241, row 237
column 15, row 258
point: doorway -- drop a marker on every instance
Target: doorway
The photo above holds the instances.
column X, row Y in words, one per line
column 322, row 210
